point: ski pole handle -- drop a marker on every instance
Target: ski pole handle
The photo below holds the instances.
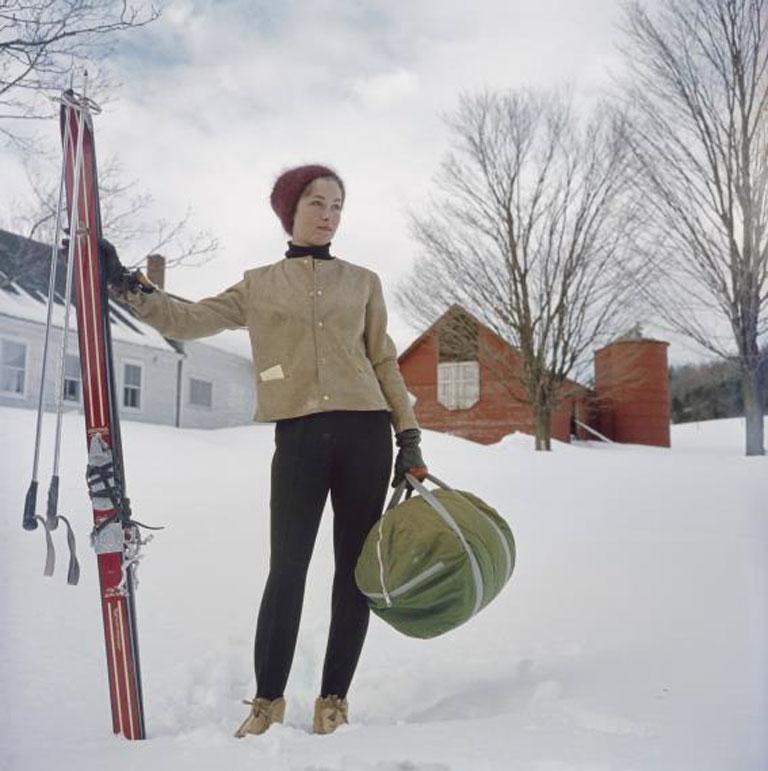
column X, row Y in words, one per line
column 53, row 503
column 30, row 522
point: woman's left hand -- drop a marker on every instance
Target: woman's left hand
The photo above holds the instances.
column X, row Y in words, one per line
column 408, row 458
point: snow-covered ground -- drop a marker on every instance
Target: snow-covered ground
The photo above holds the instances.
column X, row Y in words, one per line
column 632, row 635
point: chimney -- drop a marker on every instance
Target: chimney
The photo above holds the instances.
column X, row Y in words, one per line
column 156, row 270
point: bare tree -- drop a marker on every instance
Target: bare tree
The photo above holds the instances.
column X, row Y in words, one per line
column 698, row 93
column 527, row 234
column 124, row 220
column 40, row 43
column 42, row 40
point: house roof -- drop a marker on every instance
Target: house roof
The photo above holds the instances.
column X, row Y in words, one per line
column 25, row 281
column 24, row 286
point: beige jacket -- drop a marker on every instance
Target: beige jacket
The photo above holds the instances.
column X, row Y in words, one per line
column 318, row 333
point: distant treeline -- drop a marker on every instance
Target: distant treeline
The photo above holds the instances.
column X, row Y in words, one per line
column 710, row 390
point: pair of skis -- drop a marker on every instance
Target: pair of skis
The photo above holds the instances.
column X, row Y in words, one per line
column 115, row 536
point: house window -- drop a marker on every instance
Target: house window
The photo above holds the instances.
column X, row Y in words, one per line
column 458, row 384
column 13, row 366
column 71, row 379
column 200, row 393
column 132, row 376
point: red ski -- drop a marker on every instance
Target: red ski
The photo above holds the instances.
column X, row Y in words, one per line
column 115, row 536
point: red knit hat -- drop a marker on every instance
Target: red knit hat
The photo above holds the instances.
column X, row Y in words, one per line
column 291, row 184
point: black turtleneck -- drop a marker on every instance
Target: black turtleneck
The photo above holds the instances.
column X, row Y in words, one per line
column 321, row 252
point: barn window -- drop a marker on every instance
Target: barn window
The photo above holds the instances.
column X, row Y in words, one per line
column 458, row 371
column 200, row 392
column 71, row 379
column 458, row 384
column 13, row 367
column 132, row 381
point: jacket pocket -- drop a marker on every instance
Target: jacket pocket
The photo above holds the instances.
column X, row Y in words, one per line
column 272, row 373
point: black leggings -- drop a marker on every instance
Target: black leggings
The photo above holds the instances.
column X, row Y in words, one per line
column 350, row 454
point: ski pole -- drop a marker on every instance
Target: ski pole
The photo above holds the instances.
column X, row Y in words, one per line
column 76, row 233
column 29, row 521
column 52, row 520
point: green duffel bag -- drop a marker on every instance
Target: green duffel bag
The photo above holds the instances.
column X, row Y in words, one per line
column 433, row 561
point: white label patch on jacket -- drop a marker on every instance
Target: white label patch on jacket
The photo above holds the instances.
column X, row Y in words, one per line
column 273, row 373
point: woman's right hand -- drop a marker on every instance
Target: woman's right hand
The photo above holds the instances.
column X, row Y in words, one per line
column 114, row 270
column 119, row 278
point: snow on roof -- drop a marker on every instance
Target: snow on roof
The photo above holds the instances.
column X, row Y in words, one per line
column 25, row 270
column 31, row 305
column 234, row 341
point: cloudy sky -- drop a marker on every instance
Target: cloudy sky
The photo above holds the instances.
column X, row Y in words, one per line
column 217, row 97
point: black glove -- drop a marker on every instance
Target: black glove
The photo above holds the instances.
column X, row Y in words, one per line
column 113, row 268
column 408, row 456
column 119, row 278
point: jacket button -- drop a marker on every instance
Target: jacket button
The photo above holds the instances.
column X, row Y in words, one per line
column 306, row 262
column 311, row 293
column 319, row 323
column 319, row 291
column 326, row 397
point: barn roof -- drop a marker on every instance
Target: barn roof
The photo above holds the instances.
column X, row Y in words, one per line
column 432, row 328
column 456, row 308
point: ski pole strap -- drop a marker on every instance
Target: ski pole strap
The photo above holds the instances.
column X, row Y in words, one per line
column 73, row 572
column 50, row 552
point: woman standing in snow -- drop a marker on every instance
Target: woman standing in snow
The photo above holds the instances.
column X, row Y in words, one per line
column 327, row 374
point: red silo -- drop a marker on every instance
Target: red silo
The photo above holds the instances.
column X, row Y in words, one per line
column 632, row 388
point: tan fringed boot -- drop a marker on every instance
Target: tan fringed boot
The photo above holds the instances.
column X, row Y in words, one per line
column 330, row 713
column 264, row 712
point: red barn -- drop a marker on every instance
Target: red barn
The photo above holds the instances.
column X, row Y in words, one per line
column 463, row 376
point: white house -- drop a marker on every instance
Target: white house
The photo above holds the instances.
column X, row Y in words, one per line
column 192, row 384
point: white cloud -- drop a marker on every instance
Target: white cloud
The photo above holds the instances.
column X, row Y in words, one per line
column 386, row 89
column 218, row 97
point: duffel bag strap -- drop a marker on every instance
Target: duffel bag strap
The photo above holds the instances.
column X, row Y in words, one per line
column 398, row 494
column 407, row 486
column 451, row 522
